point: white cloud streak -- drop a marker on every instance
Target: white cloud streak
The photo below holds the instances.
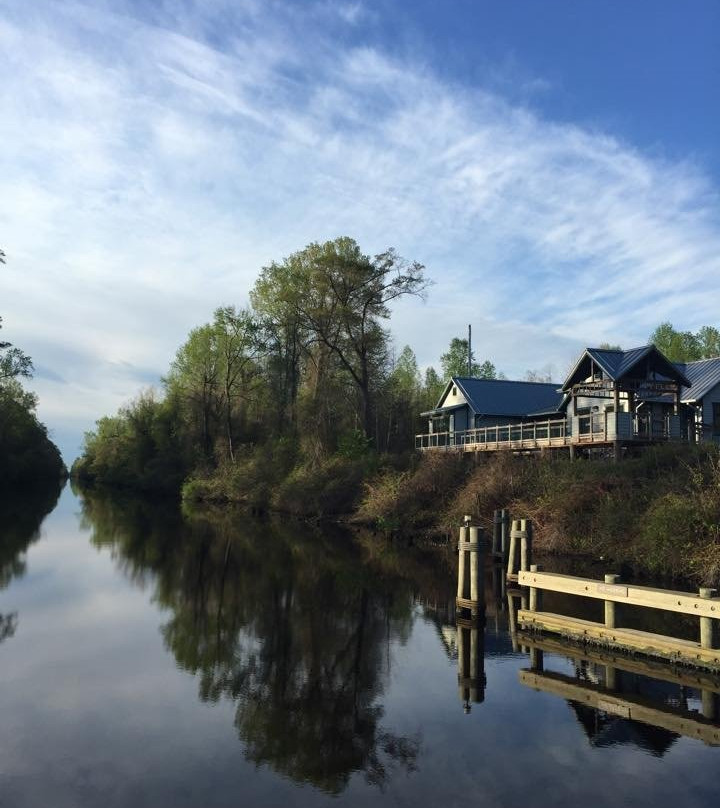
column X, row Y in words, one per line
column 151, row 167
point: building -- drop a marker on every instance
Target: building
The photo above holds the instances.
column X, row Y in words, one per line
column 611, row 398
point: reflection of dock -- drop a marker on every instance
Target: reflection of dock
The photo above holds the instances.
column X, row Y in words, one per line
column 608, row 693
column 624, row 706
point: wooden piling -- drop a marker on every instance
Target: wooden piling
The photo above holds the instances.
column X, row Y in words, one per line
column 708, row 702
column 512, row 549
column 497, row 527
column 504, row 531
column 707, row 627
column 463, row 563
column 525, row 544
column 610, row 605
column 477, row 559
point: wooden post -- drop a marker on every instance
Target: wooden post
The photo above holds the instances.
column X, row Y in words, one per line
column 512, row 621
column 512, row 550
column 504, row 530
column 462, row 666
column 463, row 568
column 610, row 677
column 497, row 520
column 707, row 634
column 535, row 593
column 609, row 605
column 537, row 661
column 525, row 544
column 708, row 704
column 477, row 559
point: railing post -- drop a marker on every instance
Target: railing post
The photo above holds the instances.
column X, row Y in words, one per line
column 609, row 604
column 525, row 544
column 535, row 603
column 707, row 628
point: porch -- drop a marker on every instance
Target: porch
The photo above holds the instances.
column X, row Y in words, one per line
column 578, row 430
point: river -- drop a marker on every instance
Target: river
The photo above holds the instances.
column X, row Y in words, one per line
column 153, row 659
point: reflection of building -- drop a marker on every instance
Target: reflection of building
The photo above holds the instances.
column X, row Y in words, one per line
column 603, row 729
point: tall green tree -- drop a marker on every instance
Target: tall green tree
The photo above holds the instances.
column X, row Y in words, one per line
column 455, row 362
column 340, row 298
column 195, row 378
column 238, row 344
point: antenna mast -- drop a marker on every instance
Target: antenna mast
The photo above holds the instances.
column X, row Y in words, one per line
column 469, row 349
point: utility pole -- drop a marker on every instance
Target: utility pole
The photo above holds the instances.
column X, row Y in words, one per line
column 469, row 349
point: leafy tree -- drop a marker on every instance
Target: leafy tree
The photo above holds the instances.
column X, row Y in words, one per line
column 13, row 361
column 403, row 400
column 708, row 338
column 455, row 362
column 432, row 388
column 238, row 343
column 608, row 346
column 339, row 298
column 684, row 346
column 195, row 380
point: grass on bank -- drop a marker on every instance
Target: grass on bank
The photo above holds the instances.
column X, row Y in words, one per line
column 658, row 512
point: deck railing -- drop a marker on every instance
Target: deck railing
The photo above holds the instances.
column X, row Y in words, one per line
column 530, row 434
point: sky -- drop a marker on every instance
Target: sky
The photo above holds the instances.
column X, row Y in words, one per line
column 554, row 165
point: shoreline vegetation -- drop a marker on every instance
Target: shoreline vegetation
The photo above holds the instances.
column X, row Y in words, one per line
column 299, row 404
column 28, row 457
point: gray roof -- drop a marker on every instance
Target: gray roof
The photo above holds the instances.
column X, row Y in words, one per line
column 703, row 375
column 505, row 397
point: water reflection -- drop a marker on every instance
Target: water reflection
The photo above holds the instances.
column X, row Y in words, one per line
column 293, row 626
column 21, row 514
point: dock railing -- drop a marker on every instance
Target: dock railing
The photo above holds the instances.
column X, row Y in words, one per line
column 530, row 434
column 705, row 605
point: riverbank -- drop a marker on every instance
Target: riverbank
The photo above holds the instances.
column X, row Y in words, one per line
column 658, row 513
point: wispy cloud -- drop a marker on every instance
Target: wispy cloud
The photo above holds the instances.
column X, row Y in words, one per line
column 152, row 164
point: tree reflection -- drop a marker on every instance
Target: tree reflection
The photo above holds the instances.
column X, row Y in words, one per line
column 21, row 514
column 292, row 625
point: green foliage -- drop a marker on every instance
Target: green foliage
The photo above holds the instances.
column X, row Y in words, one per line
column 686, row 346
column 455, row 362
column 353, row 445
column 138, row 448
column 13, row 362
column 27, row 453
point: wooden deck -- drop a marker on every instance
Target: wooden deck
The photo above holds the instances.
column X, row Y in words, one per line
column 589, row 430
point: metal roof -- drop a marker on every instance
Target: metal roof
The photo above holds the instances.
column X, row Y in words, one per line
column 703, row 375
column 617, row 363
column 505, row 397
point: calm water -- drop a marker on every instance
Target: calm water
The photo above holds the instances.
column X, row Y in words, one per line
column 147, row 660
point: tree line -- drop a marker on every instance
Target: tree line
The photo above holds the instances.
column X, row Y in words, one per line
column 26, row 452
column 307, row 371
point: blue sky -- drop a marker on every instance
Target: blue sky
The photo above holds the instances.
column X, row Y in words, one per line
column 554, row 165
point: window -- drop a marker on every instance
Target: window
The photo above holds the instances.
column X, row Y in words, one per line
column 454, row 391
column 716, row 418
